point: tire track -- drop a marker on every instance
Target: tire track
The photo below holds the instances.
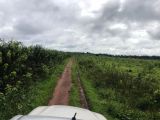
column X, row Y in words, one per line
column 83, row 100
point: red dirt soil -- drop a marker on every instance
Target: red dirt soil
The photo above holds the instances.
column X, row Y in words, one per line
column 61, row 93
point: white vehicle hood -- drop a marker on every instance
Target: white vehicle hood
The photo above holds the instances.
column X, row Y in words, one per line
column 60, row 112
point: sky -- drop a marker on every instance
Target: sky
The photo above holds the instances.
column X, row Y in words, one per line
column 126, row 27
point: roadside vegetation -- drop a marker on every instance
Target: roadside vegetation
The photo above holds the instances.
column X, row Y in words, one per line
column 74, row 99
column 27, row 77
column 121, row 88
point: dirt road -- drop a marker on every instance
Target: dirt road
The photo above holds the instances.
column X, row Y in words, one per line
column 61, row 93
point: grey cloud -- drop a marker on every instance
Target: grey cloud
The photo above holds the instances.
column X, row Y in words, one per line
column 155, row 34
column 143, row 10
column 58, row 24
column 136, row 11
column 133, row 10
column 25, row 27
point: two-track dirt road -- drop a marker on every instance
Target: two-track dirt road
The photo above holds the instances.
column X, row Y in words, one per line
column 62, row 90
column 61, row 93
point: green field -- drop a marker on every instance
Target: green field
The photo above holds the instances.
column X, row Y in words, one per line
column 121, row 88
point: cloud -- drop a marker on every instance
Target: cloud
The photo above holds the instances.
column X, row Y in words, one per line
column 155, row 34
column 154, row 31
column 99, row 26
column 131, row 10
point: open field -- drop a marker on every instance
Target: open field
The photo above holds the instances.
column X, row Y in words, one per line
column 120, row 88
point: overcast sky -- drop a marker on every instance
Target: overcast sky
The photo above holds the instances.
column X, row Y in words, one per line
column 129, row 27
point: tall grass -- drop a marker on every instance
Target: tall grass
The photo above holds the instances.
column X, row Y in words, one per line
column 22, row 101
column 121, row 88
column 74, row 99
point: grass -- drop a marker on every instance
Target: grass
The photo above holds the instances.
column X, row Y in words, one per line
column 74, row 99
column 109, row 100
column 95, row 103
column 38, row 94
column 91, row 94
column 42, row 92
